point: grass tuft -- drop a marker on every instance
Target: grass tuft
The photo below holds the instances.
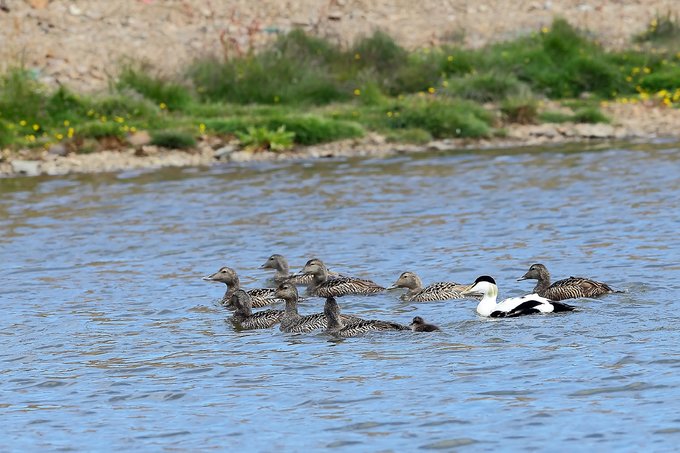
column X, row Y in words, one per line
column 173, row 139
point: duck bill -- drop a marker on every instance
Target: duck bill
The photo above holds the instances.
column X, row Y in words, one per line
column 523, row 277
column 472, row 293
column 209, row 278
column 392, row 287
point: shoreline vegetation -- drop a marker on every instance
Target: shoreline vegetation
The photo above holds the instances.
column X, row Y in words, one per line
column 305, row 97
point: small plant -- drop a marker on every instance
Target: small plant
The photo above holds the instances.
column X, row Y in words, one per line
column 520, row 110
column 590, row 115
column 173, row 139
column 261, row 138
column 485, row 87
column 661, row 30
column 441, row 117
column 163, row 92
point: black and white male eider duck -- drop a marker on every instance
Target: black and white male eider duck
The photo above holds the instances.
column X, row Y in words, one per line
column 337, row 328
column 245, row 319
column 485, row 286
column 569, row 288
column 323, row 285
column 293, row 322
column 260, row 297
column 432, row 292
column 419, row 325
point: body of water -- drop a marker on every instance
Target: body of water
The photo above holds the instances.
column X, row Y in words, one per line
column 111, row 341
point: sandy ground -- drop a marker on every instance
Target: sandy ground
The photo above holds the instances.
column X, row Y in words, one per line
column 82, row 42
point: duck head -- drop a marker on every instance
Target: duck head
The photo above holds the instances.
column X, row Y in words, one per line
column 276, row 262
column 287, row 291
column 225, row 275
column 535, row 272
column 482, row 287
column 407, row 280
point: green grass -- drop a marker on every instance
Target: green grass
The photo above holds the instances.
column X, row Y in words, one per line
column 319, row 91
column 587, row 114
column 173, row 139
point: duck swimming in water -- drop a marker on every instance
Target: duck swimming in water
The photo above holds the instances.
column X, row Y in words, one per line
column 325, row 286
column 435, row 291
column 260, row 297
column 336, row 326
column 485, row 286
column 245, row 319
column 419, row 325
column 280, row 265
column 569, row 288
column 293, row 322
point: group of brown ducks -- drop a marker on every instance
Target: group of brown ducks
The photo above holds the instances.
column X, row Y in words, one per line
column 321, row 282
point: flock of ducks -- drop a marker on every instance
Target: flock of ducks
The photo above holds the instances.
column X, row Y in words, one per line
column 322, row 282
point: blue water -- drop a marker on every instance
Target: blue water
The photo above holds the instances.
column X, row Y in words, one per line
column 112, row 342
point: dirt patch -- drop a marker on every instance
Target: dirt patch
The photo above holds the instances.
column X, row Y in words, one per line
column 81, row 43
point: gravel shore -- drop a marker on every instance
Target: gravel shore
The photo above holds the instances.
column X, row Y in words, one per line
column 631, row 122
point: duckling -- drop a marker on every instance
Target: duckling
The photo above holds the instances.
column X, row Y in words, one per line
column 325, row 286
column 245, row 319
column 419, row 325
column 485, row 286
column 569, row 288
column 435, row 291
column 336, row 326
column 292, row 321
column 260, row 297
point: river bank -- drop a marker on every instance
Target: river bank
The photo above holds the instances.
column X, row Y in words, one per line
column 629, row 122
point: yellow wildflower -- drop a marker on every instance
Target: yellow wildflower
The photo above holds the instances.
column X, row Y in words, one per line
column 22, row 123
column 431, row 90
column 662, row 93
column 70, row 132
column 59, row 136
column 646, row 70
column 357, row 56
column 357, row 92
column 67, row 123
column 445, row 83
column 389, row 114
column 545, row 30
column 103, row 118
column 36, row 127
column 163, row 105
column 667, row 102
column 133, row 129
column 450, row 58
column 119, row 119
column 201, row 128
column 629, row 79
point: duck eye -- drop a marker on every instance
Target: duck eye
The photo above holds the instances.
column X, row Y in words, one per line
column 224, row 271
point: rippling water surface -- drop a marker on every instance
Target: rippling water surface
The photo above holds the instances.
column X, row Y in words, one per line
column 111, row 340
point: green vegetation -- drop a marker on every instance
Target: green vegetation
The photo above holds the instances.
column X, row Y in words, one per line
column 173, row 139
column 259, row 138
column 305, row 90
column 662, row 30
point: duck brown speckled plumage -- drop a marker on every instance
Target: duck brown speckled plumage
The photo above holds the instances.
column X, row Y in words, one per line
column 260, row 297
column 568, row 288
column 293, row 322
column 336, row 326
column 244, row 318
column 324, row 285
column 436, row 291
